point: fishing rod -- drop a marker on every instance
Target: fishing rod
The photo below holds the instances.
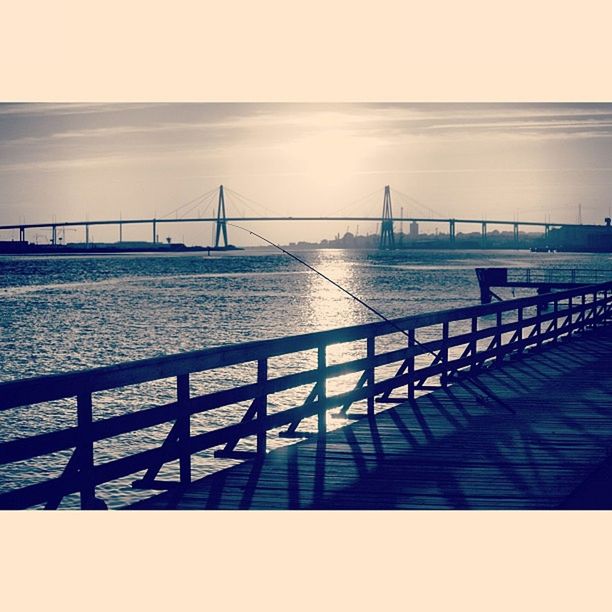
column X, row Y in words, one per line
column 333, row 282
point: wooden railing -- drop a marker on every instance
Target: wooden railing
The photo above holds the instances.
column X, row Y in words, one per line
column 559, row 275
column 478, row 334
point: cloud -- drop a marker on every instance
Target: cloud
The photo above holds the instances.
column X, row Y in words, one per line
column 83, row 136
column 26, row 109
column 275, row 123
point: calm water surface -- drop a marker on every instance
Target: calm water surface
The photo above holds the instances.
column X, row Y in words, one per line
column 60, row 314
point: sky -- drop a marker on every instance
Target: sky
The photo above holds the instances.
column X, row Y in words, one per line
column 94, row 161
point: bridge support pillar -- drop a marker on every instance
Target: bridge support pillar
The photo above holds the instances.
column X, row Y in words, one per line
column 484, row 235
column 221, row 220
column 451, row 231
column 546, row 233
column 387, row 239
column 54, row 235
column 154, row 231
column 516, row 235
column 87, row 235
column 120, row 233
column 22, row 234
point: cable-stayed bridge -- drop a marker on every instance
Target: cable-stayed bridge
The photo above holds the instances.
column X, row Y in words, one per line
column 386, row 221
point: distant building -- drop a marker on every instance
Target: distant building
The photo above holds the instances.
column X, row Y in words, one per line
column 348, row 240
column 414, row 230
column 588, row 238
column 13, row 246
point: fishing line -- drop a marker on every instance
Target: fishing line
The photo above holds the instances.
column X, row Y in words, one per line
column 333, row 282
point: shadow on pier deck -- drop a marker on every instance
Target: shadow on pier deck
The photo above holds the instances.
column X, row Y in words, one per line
column 535, row 433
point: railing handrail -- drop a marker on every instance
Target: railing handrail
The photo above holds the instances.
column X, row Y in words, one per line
column 560, row 269
column 573, row 272
column 52, row 387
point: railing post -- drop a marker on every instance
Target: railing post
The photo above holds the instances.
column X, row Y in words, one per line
column 583, row 314
column 182, row 394
column 474, row 342
column 539, row 325
column 556, row 320
column 444, row 355
column 87, row 485
column 594, row 310
column 520, row 327
column 498, row 338
column 322, row 391
column 411, row 360
column 370, row 352
column 262, row 405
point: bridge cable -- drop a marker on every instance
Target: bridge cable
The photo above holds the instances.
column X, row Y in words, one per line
column 246, row 199
column 206, row 202
column 196, row 199
column 359, row 200
column 333, row 282
column 415, row 201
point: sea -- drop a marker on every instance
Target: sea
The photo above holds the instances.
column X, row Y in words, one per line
column 68, row 313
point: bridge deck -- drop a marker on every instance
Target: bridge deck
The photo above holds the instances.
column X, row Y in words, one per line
column 534, row 433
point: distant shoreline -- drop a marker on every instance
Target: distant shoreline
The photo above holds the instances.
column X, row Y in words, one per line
column 19, row 248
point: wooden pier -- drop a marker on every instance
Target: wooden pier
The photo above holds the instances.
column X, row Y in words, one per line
column 530, row 435
column 520, row 416
column 543, row 280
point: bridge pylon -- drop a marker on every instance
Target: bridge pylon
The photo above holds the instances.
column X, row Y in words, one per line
column 221, row 220
column 387, row 238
